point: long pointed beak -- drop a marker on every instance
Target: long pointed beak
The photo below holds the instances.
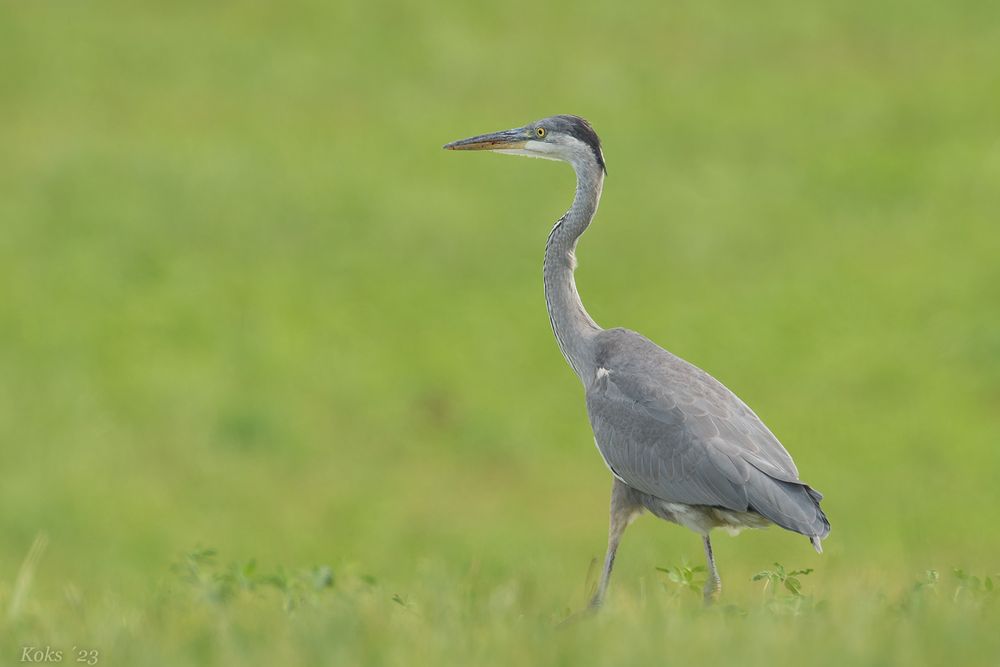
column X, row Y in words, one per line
column 507, row 139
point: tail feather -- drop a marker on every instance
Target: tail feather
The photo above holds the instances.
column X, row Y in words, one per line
column 792, row 505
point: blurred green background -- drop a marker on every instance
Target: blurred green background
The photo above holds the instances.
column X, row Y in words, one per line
column 248, row 303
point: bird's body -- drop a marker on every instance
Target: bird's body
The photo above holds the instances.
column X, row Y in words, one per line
column 697, row 453
column 678, row 443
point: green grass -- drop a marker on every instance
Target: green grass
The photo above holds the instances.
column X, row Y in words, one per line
column 248, row 304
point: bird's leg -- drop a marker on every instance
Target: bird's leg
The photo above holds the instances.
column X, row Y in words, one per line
column 624, row 508
column 713, row 587
column 614, row 538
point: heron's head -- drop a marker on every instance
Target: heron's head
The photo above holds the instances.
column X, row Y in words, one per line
column 567, row 138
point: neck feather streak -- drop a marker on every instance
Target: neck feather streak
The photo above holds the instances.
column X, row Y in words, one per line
column 572, row 325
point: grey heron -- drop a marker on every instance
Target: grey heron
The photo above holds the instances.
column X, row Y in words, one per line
column 677, row 442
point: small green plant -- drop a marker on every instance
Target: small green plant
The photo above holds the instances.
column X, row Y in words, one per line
column 219, row 585
column 686, row 577
column 929, row 581
column 778, row 578
column 783, row 590
column 913, row 598
column 971, row 588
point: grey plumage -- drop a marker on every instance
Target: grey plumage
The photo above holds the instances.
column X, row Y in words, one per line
column 677, row 441
column 673, row 432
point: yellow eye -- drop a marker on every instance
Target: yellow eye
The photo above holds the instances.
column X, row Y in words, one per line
column 539, row 132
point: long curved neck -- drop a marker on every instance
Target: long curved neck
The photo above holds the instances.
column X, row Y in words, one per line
column 572, row 325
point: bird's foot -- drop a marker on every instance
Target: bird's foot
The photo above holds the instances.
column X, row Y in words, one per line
column 712, row 591
column 576, row 616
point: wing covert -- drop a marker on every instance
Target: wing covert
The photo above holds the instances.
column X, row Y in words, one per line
column 670, row 430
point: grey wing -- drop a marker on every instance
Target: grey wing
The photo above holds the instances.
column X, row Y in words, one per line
column 672, row 431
